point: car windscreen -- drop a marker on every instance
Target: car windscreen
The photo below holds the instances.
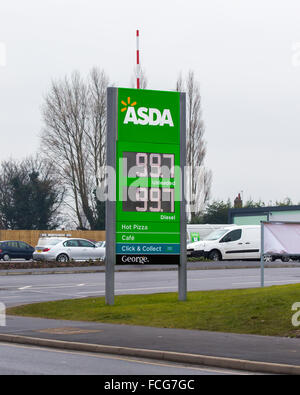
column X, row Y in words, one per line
column 100, row 244
column 216, row 234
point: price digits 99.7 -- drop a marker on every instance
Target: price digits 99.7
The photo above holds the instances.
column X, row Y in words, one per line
column 144, row 199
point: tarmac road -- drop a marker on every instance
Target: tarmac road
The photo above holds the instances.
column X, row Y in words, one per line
column 23, row 289
column 33, row 360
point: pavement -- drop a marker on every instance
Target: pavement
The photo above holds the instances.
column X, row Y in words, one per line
column 265, row 354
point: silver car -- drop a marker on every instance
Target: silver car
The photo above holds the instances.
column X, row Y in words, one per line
column 65, row 249
column 101, row 243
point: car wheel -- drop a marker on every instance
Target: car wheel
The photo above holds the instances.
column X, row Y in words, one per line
column 268, row 258
column 62, row 258
column 6, row 257
column 285, row 258
column 214, row 255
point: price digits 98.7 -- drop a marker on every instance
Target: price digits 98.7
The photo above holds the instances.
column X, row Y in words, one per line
column 152, row 165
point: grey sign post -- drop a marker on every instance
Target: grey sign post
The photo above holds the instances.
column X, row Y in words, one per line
column 182, row 274
column 110, row 217
column 262, row 266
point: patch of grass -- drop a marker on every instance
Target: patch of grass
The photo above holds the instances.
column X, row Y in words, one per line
column 263, row 311
column 198, row 259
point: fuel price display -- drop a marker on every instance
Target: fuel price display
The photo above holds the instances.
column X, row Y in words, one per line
column 159, row 168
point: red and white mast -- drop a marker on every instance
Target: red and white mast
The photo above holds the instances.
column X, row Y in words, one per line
column 138, row 69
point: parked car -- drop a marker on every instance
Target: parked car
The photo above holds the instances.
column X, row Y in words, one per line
column 65, row 249
column 101, row 243
column 15, row 249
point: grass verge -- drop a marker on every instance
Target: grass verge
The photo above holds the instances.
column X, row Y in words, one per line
column 262, row 311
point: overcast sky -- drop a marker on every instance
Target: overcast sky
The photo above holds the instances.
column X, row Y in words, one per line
column 245, row 55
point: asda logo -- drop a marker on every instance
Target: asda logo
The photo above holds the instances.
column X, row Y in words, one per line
column 145, row 116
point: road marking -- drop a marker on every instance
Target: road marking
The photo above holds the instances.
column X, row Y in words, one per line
column 27, row 286
column 9, row 297
column 128, row 289
column 221, row 277
column 270, row 281
column 60, row 286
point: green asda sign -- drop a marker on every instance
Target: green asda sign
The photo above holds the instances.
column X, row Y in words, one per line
column 148, row 116
column 146, row 146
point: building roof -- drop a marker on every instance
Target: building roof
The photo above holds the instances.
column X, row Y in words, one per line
column 259, row 210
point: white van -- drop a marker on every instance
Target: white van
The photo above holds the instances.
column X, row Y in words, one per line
column 197, row 232
column 234, row 242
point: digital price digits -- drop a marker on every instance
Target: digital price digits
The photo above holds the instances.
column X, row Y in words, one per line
column 144, row 199
column 150, row 165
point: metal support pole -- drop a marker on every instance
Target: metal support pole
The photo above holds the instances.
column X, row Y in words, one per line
column 182, row 274
column 262, row 267
column 110, row 214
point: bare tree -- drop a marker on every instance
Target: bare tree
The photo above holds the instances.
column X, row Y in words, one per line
column 97, row 134
column 199, row 178
column 73, row 138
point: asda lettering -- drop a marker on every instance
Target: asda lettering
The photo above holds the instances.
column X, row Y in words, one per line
column 148, row 116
